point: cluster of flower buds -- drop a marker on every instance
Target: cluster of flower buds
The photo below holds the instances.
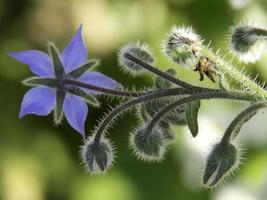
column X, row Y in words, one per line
column 65, row 85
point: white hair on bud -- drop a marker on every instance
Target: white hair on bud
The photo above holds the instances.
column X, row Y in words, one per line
column 141, row 51
column 218, row 161
column 141, row 152
column 184, row 33
column 182, row 45
column 94, row 167
column 246, row 43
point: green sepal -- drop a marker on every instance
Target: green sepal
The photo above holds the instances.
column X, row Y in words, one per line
column 90, row 99
column 76, row 73
column 36, row 80
column 162, row 83
column 58, row 66
column 191, row 117
column 58, row 112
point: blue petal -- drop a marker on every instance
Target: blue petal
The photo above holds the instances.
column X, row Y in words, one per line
column 75, row 53
column 98, row 79
column 39, row 62
column 75, row 110
column 39, row 101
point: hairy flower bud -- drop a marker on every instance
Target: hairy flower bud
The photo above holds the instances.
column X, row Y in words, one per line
column 148, row 144
column 221, row 162
column 182, row 46
column 97, row 156
column 247, row 42
column 140, row 51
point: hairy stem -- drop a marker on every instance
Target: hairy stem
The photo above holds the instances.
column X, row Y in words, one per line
column 158, row 72
column 104, row 90
column 156, row 95
column 233, row 76
column 235, row 126
column 164, row 93
column 261, row 32
column 194, row 97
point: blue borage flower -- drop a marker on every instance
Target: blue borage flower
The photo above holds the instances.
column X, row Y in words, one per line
column 51, row 92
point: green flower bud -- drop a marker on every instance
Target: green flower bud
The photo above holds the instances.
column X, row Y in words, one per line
column 97, row 156
column 148, row 144
column 221, row 162
column 140, row 51
column 182, row 46
column 247, row 42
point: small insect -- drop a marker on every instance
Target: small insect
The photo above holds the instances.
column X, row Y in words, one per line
column 205, row 67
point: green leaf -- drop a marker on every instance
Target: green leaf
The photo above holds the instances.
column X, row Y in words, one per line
column 58, row 66
column 58, row 112
column 87, row 97
column 191, row 117
column 35, row 81
column 76, row 73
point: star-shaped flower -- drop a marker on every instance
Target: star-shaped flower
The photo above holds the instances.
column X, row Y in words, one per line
column 50, row 92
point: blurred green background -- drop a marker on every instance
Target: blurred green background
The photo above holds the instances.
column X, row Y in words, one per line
column 41, row 161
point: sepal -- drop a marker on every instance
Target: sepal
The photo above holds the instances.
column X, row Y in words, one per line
column 58, row 112
column 36, row 81
column 90, row 99
column 58, row 66
column 76, row 73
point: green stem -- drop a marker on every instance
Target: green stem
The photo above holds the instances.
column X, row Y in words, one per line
column 194, row 97
column 164, row 75
column 235, row 126
column 105, row 90
column 160, row 94
column 168, row 92
column 233, row 75
column 260, row 32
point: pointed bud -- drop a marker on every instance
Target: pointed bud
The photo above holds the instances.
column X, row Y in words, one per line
column 247, row 42
column 140, row 51
column 149, row 144
column 182, row 46
column 221, row 162
column 97, row 156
